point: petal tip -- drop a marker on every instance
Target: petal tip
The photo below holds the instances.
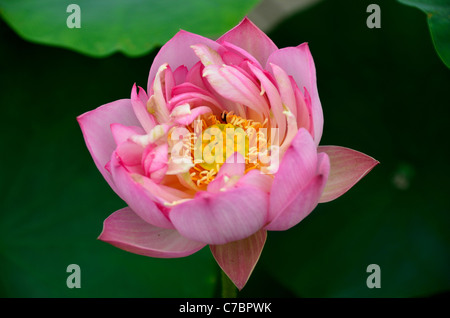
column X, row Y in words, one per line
column 348, row 167
column 238, row 259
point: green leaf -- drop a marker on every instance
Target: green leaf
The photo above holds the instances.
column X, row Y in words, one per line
column 131, row 27
column 438, row 15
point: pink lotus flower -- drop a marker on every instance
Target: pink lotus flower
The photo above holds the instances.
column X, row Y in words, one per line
column 177, row 204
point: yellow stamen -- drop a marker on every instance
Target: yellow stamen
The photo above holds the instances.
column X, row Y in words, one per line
column 234, row 133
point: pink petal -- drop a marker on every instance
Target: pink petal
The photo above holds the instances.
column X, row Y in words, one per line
column 189, row 88
column 157, row 104
column 220, row 218
column 285, row 88
column 229, row 173
column 126, row 230
column 155, row 161
column 160, row 158
column 143, row 202
column 240, row 52
column 256, row 179
column 130, row 153
column 180, row 74
column 155, row 134
column 238, row 259
column 303, row 201
column 194, row 76
column 231, row 58
column 147, row 157
column 298, row 62
column 297, row 168
column 207, row 55
column 179, row 166
column 304, row 117
column 121, row 133
column 234, row 166
column 348, row 166
column 162, row 193
column 139, row 102
column 195, row 99
column 189, row 92
column 95, row 126
column 219, row 184
column 169, row 83
column 177, row 51
column 234, row 85
column 249, row 37
column 187, row 119
column 278, row 120
column 292, row 131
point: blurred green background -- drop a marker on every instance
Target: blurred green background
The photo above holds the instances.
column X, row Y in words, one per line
column 384, row 92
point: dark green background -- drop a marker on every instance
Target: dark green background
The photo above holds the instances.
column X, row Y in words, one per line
column 384, row 92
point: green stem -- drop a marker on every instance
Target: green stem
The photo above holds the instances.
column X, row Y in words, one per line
column 228, row 288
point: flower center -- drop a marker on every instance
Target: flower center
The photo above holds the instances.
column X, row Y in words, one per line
column 213, row 140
